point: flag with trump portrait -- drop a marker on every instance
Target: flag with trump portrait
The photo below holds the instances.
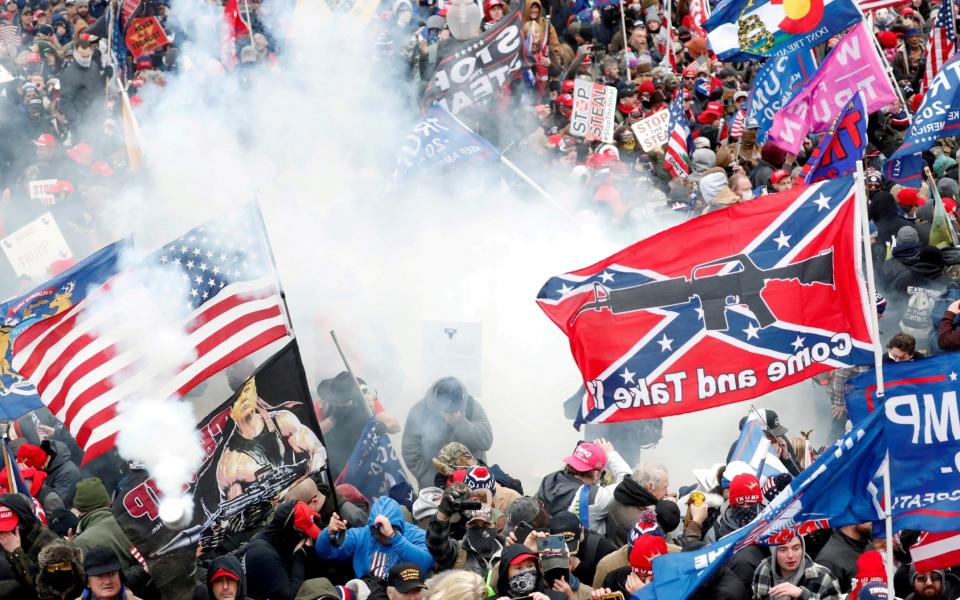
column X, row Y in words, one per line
column 258, row 443
column 723, row 308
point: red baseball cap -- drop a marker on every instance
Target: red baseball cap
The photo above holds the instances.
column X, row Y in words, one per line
column 778, row 176
column 587, row 457
column 81, row 153
column 744, row 489
column 45, row 139
column 645, row 549
column 8, row 519
column 225, row 573
column 522, row 557
column 567, row 86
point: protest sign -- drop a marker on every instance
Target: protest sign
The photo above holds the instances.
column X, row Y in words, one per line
column 42, row 189
column 651, row 132
column 594, row 106
column 145, row 36
column 35, row 246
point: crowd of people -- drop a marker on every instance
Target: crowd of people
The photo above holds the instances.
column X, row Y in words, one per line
column 594, row 525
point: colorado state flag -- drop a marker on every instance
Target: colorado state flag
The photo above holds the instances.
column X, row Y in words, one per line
column 740, row 30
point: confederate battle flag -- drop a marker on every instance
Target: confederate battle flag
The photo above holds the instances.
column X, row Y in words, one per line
column 723, row 308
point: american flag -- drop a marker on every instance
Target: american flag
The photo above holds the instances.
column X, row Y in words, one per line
column 675, row 160
column 73, row 345
column 10, row 38
column 936, row 551
column 943, row 41
column 736, row 129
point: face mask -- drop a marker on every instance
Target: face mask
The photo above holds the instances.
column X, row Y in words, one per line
column 744, row 514
column 83, row 62
column 629, row 144
column 61, row 581
column 523, row 582
column 482, row 540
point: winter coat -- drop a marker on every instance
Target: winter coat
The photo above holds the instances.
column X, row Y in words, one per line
column 62, row 473
column 33, row 537
column 840, row 555
column 949, row 590
column 817, row 582
column 426, row 432
column 451, row 554
column 592, row 550
column 761, row 174
column 949, row 336
column 368, row 554
column 629, row 499
column 80, row 89
column 560, row 491
column 884, row 214
column 553, row 42
column 725, row 524
column 616, row 559
column 273, row 565
column 100, row 528
column 736, row 576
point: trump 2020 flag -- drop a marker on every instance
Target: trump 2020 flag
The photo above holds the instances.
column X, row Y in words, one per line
column 937, row 117
column 923, row 436
column 836, row 490
column 740, row 30
column 754, row 453
column 777, row 81
column 722, row 308
column 439, row 140
column 852, row 65
column 843, row 145
column 373, row 467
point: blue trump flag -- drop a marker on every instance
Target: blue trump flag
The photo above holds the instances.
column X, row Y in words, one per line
column 842, row 146
column 373, row 467
column 17, row 395
column 923, row 437
column 440, row 139
column 774, row 85
column 937, row 117
column 836, row 490
column 755, row 451
column 740, row 30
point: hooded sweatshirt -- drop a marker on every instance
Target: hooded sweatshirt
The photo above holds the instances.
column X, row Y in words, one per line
column 426, row 431
column 503, row 580
column 369, row 556
column 33, row 537
column 886, row 216
column 232, row 564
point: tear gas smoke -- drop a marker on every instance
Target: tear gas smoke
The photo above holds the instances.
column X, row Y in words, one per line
column 315, row 140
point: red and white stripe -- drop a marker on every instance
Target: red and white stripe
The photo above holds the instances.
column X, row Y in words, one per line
column 83, row 368
column 936, row 551
column 127, row 10
column 866, row 5
column 736, row 128
column 941, row 45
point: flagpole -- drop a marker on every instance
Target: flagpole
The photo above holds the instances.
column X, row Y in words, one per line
column 533, row 184
column 871, row 312
column 626, row 45
column 886, row 65
column 273, row 263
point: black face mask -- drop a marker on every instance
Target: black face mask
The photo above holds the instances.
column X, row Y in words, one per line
column 483, row 540
column 60, row 581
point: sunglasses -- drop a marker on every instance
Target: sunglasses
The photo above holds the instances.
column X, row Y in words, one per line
column 934, row 577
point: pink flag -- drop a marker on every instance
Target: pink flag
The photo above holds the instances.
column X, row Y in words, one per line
column 853, row 64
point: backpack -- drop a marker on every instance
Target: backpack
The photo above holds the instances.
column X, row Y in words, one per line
column 947, row 297
column 917, row 315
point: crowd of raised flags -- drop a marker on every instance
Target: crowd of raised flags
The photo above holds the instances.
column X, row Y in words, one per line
column 806, row 153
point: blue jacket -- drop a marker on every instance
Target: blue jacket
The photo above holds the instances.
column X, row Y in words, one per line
column 369, row 555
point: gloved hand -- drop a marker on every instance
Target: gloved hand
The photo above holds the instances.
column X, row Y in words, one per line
column 303, row 520
column 452, row 497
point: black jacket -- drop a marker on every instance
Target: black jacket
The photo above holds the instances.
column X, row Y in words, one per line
column 592, row 549
column 274, row 570
column 62, row 473
column 735, row 580
column 80, row 88
column 840, row 556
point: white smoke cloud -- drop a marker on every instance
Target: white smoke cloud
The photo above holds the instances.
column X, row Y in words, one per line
column 316, row 145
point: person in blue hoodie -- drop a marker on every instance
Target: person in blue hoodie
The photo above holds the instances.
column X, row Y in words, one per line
column 386, row 541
